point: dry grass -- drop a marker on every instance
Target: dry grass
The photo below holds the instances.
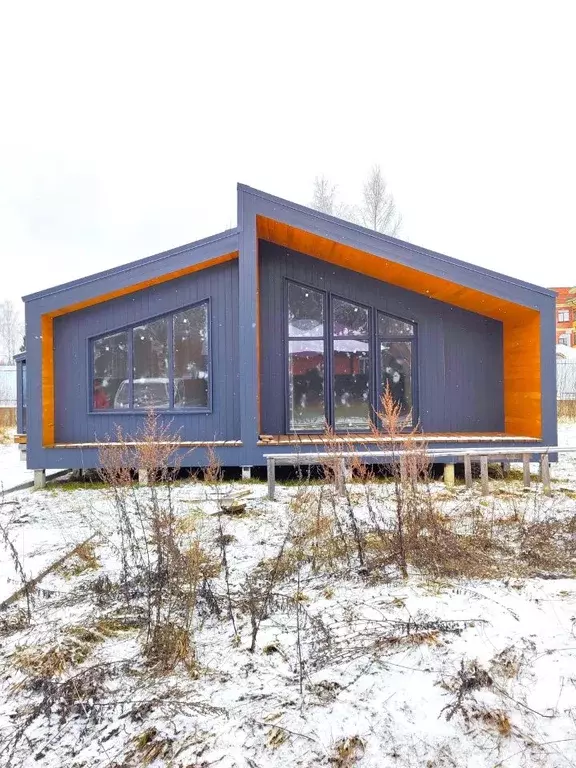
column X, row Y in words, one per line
column 72, row 648
column 567, row 410
column 7, row 420
column 84, row 559
column 347, row 752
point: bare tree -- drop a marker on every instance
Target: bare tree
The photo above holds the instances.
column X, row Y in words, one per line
column 378, row 210
column 10, row 330
column 324, row 196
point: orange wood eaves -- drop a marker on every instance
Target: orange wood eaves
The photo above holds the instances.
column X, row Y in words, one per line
column 47, row 330
column 521, row 325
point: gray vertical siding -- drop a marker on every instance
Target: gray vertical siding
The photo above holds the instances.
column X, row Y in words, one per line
column 460, row 353
column 74, row 424
column 460, row 379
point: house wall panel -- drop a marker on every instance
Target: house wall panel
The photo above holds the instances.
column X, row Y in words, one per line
column 73, row 421
column 460, row 362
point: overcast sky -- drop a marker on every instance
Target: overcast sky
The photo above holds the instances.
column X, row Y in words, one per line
column 125, row 126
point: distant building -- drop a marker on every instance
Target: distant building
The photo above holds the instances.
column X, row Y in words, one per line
column 7, row 396
column 565, row 316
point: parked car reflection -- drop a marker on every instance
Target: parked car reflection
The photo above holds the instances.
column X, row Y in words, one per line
column 155, row 393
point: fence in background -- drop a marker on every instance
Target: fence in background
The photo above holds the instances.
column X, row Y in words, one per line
column 566, row 388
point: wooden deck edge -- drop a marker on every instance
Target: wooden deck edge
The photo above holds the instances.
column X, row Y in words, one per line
column 177, row 444
column 21, row 439
column 358, row 440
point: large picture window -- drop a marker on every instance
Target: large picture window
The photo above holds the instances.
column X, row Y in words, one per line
column 342, row 357
column 351, row 366
column 306, row 396
column 395, row 347
column 162, row 363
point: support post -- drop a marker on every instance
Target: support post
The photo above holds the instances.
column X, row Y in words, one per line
column 526, row 469
column 484, row 475
column 505, row 468
column 340, row 477
column 39, row 479
column 271, row 475
column 449, row 475
column 468, row 470
column 142, row 477
column 246, row 473
column 545, row 474
column 403, row 470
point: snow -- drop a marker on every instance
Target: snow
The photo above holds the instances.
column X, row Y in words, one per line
column 13, row 470
column 387, row 681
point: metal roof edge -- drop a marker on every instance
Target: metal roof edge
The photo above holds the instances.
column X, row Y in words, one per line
column 123, row 268
column 383, row 238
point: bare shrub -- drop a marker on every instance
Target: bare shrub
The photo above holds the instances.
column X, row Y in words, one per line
column 161, row 562
column 15, row 557
column 347, row 752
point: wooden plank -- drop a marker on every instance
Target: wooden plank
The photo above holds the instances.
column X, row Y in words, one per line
column 183, row 444
column 484, row 475
column 545, row 474
column 526, row 469
column 21, row 439
column 468, row 470
column 47, row 380
column 271, row 477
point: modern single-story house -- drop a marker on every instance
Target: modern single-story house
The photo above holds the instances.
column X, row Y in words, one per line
column 252, row 340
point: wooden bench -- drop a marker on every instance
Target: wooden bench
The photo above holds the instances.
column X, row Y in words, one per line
column 468, row 455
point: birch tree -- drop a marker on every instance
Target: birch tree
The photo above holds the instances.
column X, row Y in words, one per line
column 10, row 330
column 378, row 210
column 324, row 196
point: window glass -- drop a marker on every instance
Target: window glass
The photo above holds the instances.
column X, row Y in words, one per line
column 306, row 385
column 391, row 326
column 110, row 371
column 396, row 373
column 191, row 361
column 150, row 365
column 351, row 371
column 305, row 312
column 23, row 396
column 349, row 319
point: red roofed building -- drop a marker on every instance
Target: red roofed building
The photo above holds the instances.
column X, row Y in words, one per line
column 566, row 316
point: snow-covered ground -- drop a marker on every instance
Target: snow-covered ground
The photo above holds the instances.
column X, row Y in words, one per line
column 13, row 472
column 432, row 670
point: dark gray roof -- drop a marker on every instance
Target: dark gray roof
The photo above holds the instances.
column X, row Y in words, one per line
column 333, row 223
column 331, row 228
column 228, row 235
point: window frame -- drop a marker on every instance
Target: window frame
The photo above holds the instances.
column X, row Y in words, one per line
column 374, row 359
column 286, row 347
column 563, row 312
column 413, row 339
column 371, row 376
column 129, row 328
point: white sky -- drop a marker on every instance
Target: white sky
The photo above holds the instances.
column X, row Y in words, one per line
column 125, row 126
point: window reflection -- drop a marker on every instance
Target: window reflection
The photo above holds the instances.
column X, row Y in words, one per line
column 392, row 326
column 306, row 385
column 305, row 312
column 191, row 364
column 110, row 369
column 157, row 365
column 349, row 319
column 351, row 385
column 150, row 365
column 396, row 374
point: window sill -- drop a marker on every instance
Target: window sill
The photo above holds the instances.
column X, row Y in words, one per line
column 144, row 411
